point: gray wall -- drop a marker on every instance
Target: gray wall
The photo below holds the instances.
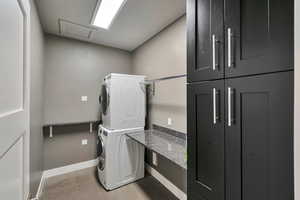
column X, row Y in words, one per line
column 165, row 55
column 65, row 147
column 36, row 101
column 75, row 69
column 174, row 173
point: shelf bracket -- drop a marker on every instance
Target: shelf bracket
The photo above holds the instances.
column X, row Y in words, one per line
column 91, row 127
column 50, row 131
column 153, row 89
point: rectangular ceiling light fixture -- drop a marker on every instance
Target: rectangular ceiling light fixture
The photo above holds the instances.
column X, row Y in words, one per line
column 106, row 11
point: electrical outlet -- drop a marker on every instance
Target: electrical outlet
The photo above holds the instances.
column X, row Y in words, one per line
column 154, row 158
column 84, row 142
column 169, row 147
column 84, row 98
column 169, row 121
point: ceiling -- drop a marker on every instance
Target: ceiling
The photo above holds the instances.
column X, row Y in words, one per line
column 136, row 22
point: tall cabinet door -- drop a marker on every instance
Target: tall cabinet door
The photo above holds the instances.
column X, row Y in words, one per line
column 205, row 39
column 206, row 141
column 259, row 137
column 259, row 36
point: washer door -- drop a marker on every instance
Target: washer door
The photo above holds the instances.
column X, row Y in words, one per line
column 104, row 99
column 100, row 147
column 101, row 153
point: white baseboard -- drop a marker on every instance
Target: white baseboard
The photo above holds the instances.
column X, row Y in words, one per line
column 164, row 181
column 40, row 190
column 41, row 187
column 70, row 168
column 62, row 170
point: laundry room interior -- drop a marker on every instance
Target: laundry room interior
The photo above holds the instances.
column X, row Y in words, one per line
column 149, row 99
column 77, row 72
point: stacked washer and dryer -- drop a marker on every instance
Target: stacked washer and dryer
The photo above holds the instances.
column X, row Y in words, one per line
column 123, row 103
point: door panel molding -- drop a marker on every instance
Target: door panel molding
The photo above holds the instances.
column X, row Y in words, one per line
column 12, row 164
column 14, row 114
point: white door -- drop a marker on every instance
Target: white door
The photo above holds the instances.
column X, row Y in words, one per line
column 14, row 99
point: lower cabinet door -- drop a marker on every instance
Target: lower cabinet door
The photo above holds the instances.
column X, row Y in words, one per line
column 258, row 137
column 205, row 106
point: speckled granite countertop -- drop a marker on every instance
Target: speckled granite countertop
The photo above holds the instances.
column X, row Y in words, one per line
column 169, row 146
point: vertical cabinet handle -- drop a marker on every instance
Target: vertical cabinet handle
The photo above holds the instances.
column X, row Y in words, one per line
column 229, row 39
column 230, row 106
column 214, row 62
column 215, row 103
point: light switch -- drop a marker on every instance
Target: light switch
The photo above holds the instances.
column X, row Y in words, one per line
column 84, row 98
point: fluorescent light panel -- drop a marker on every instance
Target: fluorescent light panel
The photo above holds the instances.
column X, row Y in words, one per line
column 106, row 12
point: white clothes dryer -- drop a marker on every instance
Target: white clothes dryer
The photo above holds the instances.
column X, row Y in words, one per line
column 123, row 101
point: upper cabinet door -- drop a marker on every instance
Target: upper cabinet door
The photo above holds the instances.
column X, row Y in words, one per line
column 259, row 36
column 205, row 40
column 206, row 140
column 259, row 137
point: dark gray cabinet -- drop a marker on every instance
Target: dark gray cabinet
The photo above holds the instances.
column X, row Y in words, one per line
column 259, row 139
column 259, row 36
column 206, row 140
column 240, row 99
column 240, row 138
column 205, row 40
column 235, row 38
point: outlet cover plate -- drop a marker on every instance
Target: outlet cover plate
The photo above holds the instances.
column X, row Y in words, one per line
column 154, row 158
column 84, row 98
column 169, row 121
column 84, row 142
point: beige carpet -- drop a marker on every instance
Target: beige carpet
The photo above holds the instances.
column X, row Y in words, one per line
column 84, row 185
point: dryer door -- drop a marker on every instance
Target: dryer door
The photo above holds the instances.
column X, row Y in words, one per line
column 104, row 99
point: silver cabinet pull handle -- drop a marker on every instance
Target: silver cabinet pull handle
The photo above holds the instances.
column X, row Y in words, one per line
column 214, row 106
column 231, row 103
column 214, row 51
column 229, row 107
column 229, row 35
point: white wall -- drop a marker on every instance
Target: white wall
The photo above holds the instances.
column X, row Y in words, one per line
column 297, row 101
column 165, row 55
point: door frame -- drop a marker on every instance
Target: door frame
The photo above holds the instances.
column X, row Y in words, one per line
column 25, row 7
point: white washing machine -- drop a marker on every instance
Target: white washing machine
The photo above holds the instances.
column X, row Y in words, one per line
column 123, row 101
column 121, row 159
